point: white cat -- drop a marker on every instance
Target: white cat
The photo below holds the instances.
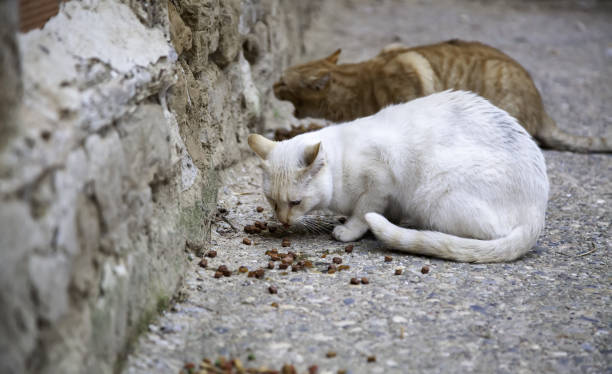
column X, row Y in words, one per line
column 451, row 163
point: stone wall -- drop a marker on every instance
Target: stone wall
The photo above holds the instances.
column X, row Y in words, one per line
column 129, row 109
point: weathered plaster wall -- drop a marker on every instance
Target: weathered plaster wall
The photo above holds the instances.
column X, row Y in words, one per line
column 129, row 109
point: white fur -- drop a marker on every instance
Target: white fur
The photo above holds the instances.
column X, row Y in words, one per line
column 451, row 163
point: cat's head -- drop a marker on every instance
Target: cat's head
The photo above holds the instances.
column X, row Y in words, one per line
column 295, row 178
column 307, row 85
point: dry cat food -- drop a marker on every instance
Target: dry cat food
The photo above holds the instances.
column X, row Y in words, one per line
column 211, row 254
column 285, row 243
column 246, row 241
column 398, row 271
column 354, row 281
column 259, row 209
column 371, row 358
column 337, row 260
column 425, row 269
column 330, row 354
column 270, row 264
column 365, row 280
column 218, row 274
column 273, row 289
column 243, row 269
column 203, row 263
column 349, row 248
column 272, row 228
column 343, row 267
column 283, row 266
column 252, row 229
column 224, row 270
column 261, row 225
column 388, row 259
column 313, row 369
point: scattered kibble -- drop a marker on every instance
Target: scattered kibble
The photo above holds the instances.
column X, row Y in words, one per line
column 271, row 265
column 354, row 281
column 324, row 255
column 365, row 280
column 343, row 267
column 259, row 273
column 203, row 263
column 307, row 264
column 218, row 274
column 252, row 229
column 272, row 228
column 274, row 305
column 296, row 267
column 243, row 269
column 425, row 269
column 398, row 271
column 273, row 289
column 371, row 358
column 211, row 254
column 388, row 259
column 285, row 243
column 330, row 354
column 331, row 267
column 259, row 209
column 337, row 260
column 246, row 241
column 341, row 371
column 283, row 266
column 314, row 369
column 349, row 248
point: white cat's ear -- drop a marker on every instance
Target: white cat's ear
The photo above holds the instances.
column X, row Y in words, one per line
column 260, row 145
column 333, row 58
column 310, row 153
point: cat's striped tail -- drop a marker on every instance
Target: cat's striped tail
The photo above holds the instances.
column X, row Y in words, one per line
column 553, row 137
column 450, row 247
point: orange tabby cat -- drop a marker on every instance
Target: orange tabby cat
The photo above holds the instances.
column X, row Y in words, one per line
column 324, row 89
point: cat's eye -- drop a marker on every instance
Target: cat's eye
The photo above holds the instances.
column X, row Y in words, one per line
column 295, row 202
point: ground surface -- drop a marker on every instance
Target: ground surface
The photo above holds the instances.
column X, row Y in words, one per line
column 548, row 312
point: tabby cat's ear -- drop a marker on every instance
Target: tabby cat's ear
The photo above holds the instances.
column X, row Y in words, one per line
column 260, row 145
column 319, row 83
column 333, row 58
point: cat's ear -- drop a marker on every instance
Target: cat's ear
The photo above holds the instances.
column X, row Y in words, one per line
column 333, row 58
column 319, row 83
column 260, row 145
column 310, row 153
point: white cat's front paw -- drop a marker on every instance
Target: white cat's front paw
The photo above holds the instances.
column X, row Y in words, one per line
column 344, row 234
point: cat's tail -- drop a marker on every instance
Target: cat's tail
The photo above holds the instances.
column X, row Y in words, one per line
column 553, row 137
column 450, row 247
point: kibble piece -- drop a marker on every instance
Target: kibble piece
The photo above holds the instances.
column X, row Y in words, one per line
column 259, row 273
column 211, row 254
column 330, row 354
column 288, row 369
column 287, row 259
column 371, row 358
column 285, row 243
column 354, row 281
column 343, row 267
column 341, row 371
column 271, row 265
column 272, row 228
column 274, row 305
column 365, row 280
column 283, row 266
column 246, row 241
column 314, row 369
column 337, row 260
column 274, row 257
column 243, row 269
column 203, row 263
column 331, row 267
column 388, row 259
column 349, row 248
column 296, row 267
column 259, row 209
column 425, row 269
column 251, row 274
column 308, row 264
column 222, row 268
column 272, row 289
column 398, row 271
column 218, row 274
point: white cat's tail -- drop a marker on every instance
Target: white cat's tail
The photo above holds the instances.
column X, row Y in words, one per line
column 437, row 244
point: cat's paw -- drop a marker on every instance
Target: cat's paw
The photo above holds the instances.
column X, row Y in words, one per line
column 344, row 234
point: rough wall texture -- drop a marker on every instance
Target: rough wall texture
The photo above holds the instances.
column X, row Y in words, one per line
column 129, row 109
